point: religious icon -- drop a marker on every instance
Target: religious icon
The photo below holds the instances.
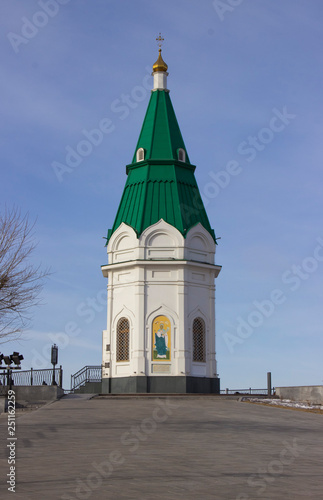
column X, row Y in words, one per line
column 161, row 339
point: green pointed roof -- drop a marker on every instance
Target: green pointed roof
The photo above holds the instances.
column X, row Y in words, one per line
column 161, row 186
column 160, row 135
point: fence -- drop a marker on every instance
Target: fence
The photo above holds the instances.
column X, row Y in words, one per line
column 33, row 377
column 86, row 374
column 259, row 392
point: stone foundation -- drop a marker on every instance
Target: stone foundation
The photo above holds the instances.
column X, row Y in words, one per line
column 156, row 385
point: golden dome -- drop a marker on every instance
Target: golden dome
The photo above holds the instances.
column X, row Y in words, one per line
column 160, row 64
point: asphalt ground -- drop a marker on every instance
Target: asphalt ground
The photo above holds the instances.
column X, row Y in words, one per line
column 162, row 448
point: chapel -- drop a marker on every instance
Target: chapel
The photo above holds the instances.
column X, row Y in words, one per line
column 160, row 335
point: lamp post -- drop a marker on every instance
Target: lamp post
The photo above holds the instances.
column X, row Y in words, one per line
column 1, row 368
column 269, row 391
column 8, row 361
column 54, row 360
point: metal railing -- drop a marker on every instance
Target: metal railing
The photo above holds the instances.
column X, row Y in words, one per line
column 86, row 374
column 33, row 377
column 260, row 392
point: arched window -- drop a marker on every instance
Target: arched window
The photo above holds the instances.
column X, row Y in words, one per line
column 140, row 154
column 123, row 340
column 198, row 340
column 181, row 155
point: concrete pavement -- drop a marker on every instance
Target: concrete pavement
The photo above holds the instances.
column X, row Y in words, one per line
column 164, row 448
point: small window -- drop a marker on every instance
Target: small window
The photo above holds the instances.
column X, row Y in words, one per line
column 140, row 154
column 123, row 340
column 198, row 340
column 181, row 155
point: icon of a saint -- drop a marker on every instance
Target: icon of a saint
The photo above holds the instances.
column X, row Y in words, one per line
column 161, row 341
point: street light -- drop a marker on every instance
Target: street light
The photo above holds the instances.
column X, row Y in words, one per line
column 7, row 360
column 15, row 358
column 54, row 360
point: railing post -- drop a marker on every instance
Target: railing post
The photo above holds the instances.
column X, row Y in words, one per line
column 31, row 376
column 60, row 376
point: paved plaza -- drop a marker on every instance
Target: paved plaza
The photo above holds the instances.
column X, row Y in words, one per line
column 164, row 448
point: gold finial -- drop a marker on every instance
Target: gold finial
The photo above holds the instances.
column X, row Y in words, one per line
column 160, row 64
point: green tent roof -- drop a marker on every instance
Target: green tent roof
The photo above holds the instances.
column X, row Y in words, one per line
column 161, row 186
column 160, row 135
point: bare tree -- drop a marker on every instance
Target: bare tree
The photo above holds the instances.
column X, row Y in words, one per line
column 20, row 281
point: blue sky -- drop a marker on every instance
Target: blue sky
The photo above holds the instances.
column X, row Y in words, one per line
column 245, row 81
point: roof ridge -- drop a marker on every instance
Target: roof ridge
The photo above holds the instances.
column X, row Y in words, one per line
column 142, row 215
column 168, row 128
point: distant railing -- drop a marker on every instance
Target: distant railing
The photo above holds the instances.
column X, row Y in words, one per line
column 33, row 377
column 86, row 374
column 260, row 392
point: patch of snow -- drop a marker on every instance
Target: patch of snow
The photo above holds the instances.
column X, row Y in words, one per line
column 284, row 402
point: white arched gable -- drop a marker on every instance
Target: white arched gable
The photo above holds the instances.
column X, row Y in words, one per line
column 200, row 245
column 122, row 244
column 162, row 241
column 124, row 312
column 164, row 310
column 198, row 313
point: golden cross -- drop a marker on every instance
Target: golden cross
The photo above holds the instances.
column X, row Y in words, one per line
column 160, row 40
